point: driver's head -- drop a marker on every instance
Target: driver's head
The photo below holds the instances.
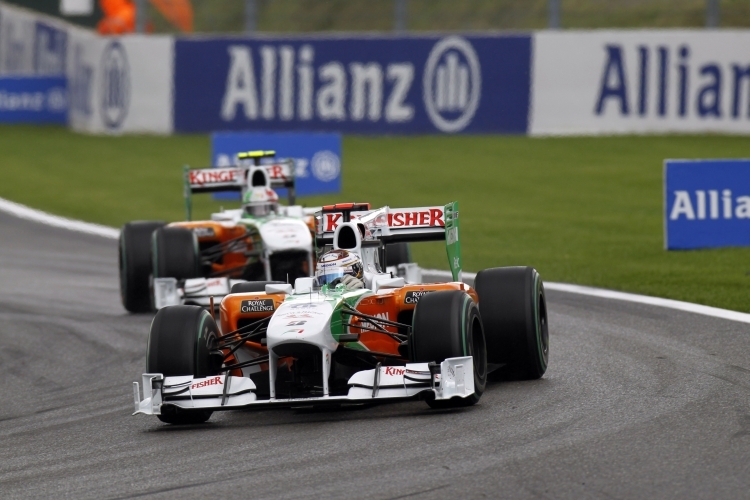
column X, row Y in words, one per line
column 335, row 264
column 260, row 201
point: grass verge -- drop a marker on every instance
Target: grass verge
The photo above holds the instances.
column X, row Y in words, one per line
column 580, row 210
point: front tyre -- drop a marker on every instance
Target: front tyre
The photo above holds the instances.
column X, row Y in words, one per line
column 447, row 325
column 135, row 264
column 514, row 315
column 175, row 253
column 179, row 343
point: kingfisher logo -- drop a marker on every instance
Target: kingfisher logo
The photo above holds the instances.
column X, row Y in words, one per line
column 452, row 84
column 115, row 86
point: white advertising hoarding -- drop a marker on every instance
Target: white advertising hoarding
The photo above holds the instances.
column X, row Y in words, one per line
column 16, row 42
column 640, row 81
column 120, row 84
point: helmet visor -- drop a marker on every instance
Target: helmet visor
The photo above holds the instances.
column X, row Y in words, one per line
column 257, row 210
column 327, row 276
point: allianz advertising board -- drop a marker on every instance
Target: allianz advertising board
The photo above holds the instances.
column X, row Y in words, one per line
column 641, row 81
column 32, row 99
column 317, row 157
column 424, row 84
column 706, row 203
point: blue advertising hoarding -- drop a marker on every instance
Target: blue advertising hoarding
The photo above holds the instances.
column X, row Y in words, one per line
column 707, row 203
column 32, row 99
column 317, row 156
column 364, row 84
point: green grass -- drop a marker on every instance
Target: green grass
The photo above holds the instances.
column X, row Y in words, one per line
column 580, row 210
column 294, row 16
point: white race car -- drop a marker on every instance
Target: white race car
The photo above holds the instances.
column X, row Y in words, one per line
column 320, row 343
column 186, row 262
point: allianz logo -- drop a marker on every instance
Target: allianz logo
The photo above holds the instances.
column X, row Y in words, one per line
column 665, row 81
column 709, row 204
column 291, row 86
column 115, row 91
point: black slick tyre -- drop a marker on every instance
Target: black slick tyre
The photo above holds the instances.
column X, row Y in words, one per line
column 135, row 264
column 514, row 315
column 253, row 286
column 175, row 253
column 447, row 325
column 180, row 343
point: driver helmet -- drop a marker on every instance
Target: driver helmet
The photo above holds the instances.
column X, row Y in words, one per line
column 260, row 201
column 335, row 264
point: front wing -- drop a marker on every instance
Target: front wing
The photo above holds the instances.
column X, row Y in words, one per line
column 195, row 291
column 452, row 378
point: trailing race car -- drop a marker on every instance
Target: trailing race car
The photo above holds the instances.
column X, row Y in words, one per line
column 352, row 334
column 186, row 262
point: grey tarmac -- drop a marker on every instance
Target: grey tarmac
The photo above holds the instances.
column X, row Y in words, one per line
column 638, row 402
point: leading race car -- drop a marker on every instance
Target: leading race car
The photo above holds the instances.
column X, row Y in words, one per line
column 353, row 334
column 186, row 262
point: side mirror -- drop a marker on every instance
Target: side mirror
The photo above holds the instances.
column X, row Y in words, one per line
column 387, row 282
column 304, row 285
column 279, row 288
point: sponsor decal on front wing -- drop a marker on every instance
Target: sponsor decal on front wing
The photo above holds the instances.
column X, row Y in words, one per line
column 207, row 382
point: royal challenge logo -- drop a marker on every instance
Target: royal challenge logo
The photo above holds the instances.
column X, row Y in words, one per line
column 115, row 97
column 452, row 84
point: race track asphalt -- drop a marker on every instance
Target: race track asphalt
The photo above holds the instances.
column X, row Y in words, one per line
column 638, row 402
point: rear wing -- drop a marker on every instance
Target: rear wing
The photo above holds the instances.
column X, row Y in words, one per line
column 280, row 174
column 395, row 225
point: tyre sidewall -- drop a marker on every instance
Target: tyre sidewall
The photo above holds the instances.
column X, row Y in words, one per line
column 134, row 262
column 174, row 253
column 444, row 326
column 513, row 307
column 180, row 341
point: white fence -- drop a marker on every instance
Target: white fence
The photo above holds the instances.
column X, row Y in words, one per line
column 582, row 82
column 620, row 82
column 115, row 85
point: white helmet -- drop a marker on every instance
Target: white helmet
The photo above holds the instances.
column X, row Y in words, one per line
column 260, row 201
column 336, row 264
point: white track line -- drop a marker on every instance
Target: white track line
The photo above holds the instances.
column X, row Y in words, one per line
column 35, row 215
column 24, row 212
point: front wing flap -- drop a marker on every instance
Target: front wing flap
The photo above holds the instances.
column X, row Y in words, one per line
column 195, row 291
column 452, row 378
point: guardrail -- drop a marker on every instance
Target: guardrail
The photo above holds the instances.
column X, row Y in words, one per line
column 537, row 83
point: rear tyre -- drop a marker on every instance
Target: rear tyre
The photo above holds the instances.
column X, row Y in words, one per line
column 447, row 325
column 175, row 253
column 179, row 343
column 253, row 286
column 514, row 315
column 135, row 264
